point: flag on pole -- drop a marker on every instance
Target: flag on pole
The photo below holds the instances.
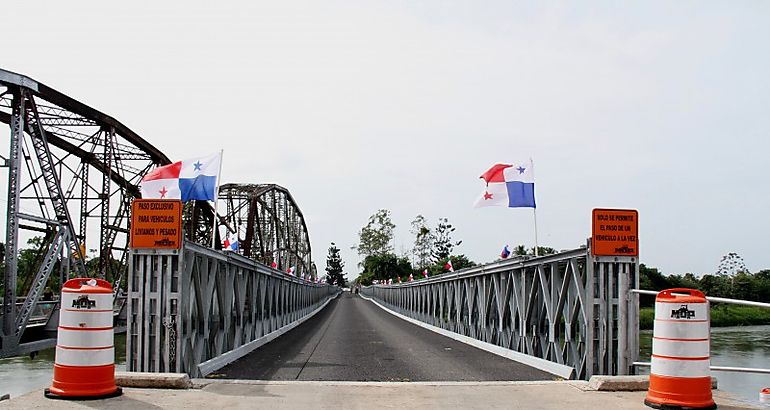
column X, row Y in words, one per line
column 399, row 279
column 189, row 179
column 411, row 278
column 505, row 253
column 425, row 273
column 290, row 271
column 231, row 243
column 273, row 265
column 511, row 185
column 449, row 266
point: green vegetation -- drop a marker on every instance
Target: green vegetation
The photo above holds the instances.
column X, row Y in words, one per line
column 334, row 266
column 731, row 280
column 721, row 315
column 432, row 249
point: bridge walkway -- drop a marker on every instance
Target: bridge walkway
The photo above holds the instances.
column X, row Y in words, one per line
column 354, row 340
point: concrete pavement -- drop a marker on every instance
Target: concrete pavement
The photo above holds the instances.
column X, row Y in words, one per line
column 277, row 395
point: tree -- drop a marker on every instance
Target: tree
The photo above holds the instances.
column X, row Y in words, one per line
column 423, row 242
column 458, row 262
column 334, row 265
column 443, row 243
column 384, row 267
column 375, row 238
column 521, row 250
column 731, row 264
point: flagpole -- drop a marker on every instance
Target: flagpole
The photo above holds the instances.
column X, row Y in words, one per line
column 534, row 214
column 216, row 202
column 534, row 208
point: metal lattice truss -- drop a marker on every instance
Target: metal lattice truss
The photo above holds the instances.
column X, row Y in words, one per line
column 198, row 310
column 567, row 308
column 269, row 224
column 72, row 174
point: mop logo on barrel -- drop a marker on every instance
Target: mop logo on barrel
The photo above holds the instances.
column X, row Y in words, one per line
column 682, row 313
column 83, row 302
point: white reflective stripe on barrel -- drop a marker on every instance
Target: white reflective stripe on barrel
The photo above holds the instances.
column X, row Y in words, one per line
column 85, row 338
column 84, row 357
column 677, row 348
column 679, row 368
column 681, row 311
column 85, row 319
column 86, row 301
column 681, row 330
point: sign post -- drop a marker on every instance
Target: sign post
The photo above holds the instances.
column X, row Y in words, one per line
column 615, row 232
column 156, row 224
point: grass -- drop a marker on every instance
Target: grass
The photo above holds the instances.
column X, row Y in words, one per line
column 721, row 315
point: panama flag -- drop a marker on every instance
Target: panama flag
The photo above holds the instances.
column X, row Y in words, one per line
column 273, row 265
column 449, row 266
column 411, row 278
column 505, row 253
column 290, row 271
column 399, row 279
column 425, row 273
column 231, row 243
column 189, row 179
column 509, row 185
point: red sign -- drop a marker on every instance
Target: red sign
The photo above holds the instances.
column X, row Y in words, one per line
column 615, row 232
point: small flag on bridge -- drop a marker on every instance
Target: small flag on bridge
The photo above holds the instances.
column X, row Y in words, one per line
column 505, row 253
column 508, row 185
column 425, row 273
column 411, row 277
column 449, row 266
column 189, row 179
column 273, row 265
column 231, row 243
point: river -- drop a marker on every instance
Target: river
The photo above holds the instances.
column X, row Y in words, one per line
column 747, row 346
column 19, row 375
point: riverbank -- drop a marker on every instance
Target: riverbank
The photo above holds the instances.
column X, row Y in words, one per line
column 721, row 316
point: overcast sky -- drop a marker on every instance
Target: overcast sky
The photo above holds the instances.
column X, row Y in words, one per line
column 360, row 105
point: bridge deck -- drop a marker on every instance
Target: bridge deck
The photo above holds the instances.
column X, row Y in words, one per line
column 354, row 340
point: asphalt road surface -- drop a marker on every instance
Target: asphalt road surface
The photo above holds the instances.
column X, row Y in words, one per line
column 354, row 340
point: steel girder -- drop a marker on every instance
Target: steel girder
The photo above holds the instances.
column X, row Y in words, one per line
column 75, row 170
column 570, row 308
column 269, row 224
column 197, row 310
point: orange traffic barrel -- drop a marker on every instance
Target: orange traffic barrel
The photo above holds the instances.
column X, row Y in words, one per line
column 680, row 377
column 84, row 367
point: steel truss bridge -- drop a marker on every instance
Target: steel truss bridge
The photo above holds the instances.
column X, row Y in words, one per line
column 72, row 174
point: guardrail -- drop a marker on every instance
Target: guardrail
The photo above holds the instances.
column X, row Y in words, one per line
column 569, row 308
column 714, row 299
column 195, row 310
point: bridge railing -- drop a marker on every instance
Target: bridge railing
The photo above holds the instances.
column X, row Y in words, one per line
column 195, row 310
column 714, row 299
column 570, row 308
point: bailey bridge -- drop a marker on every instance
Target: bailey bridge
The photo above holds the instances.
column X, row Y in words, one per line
column 73, row 172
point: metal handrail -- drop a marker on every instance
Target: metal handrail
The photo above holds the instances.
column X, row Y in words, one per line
column 712, row 299
column 719, row 368
column 716, row 300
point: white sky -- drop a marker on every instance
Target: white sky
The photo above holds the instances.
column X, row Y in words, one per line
column 360, row 105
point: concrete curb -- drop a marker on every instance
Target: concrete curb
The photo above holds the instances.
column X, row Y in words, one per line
column 625, row 383
column 153, row 380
